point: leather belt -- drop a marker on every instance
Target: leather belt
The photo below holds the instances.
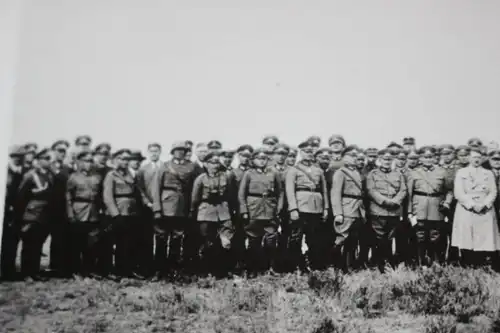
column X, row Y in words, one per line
column 423, row 194
column 352, row 196
column 306, row 189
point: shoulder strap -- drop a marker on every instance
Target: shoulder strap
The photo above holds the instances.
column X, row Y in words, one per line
column 358, row 185
column 298, row 167
column 426, row 180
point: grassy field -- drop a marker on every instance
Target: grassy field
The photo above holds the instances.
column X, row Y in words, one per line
column 438, row 299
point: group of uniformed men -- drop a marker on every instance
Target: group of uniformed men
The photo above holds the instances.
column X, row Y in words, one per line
column 120, row 215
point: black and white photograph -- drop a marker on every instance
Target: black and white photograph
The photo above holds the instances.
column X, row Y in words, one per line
column 230, row 166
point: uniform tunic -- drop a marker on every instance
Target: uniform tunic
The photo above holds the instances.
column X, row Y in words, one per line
column 120, row 194
column 172, row 193
column 306, row 189
column 383, row 188
column 210, row 197
column 260, row 195
column 428, row 188
column 348, row 193
column 473, row 231
column 83, row 197
column 146, row 178
column 34, row 196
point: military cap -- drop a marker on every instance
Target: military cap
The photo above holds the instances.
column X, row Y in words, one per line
column 336, row 138
column 229, row 153
column 413, row 155
column 447, row 148
column 323, row 151
column 401, row 154
column 386, row 152
column 394, row 145
column 30, row 147
column 408, row 140
column 494, row 154
column 214, row 144
column 492, row 145
column 292, row 152
column 42, row 152
column 189, row 143
column 427, row 150
column 212, row 157
column 154, row 145
column 83, row 138
column 314, row 140
column 60, row 142
column 136, row 155
column 179, row 145
column 281, row 147
column 349, row 149
column 270, row 140
column 81, row 155
column 462, row 150
column 474, row 142
column 121, row 152
column 16, row 150
column 258, row 152
column 102, row 147
column 244, row 147
column 304, row 144
column 371, row 151
column 479, row 150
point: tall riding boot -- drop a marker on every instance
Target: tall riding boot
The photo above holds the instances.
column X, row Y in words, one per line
column 421, row 251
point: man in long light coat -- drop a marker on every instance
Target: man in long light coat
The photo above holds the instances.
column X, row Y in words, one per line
column 475, row 229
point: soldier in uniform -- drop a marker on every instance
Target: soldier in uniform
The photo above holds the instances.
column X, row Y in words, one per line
column 315, row 142
column 462, row 153
column 347, row 197
column 237, row 259
column 10, row 239
column 214, row 146
column 121, row 198
column 371, row 160
column 308, row 203
column 171, row 204
column 291, row 159
column 226, row 159
column 447, row 153
column 189, row 150
column 83, row 206
column 386, row 190
column 323, row 158
column 280, row 167
column 145, row 179
column 30, row 150
column 105, row 244
column 429, row 199
column 210, row 206
column 59, row 227
column 409, row 143
column 33, row 212
column 83, row 143
column 401, row 159
column 337, row 145
column 260, row 198
column 494, row 157
column 134, row 164
column 269, row 141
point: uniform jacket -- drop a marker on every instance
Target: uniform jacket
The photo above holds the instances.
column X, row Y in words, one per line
column 384, row 187
column 235, row 177
column 172, row 191
column 427, row 190
column 260, row 195
column 146, row 180
column 336, row 163
column 35, row 196
column 84, row 197
column 14, row 178
column 348, row 193
column 305, row 189
column 282, row 171
column 210, row 197
column 120, row 194
column 61, row 175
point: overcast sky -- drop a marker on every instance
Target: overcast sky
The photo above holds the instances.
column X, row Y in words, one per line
column 130, row 72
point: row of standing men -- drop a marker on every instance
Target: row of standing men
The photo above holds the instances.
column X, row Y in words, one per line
column 162, row 218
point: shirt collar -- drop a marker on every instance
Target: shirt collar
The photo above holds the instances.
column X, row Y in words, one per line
column 176, row 161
